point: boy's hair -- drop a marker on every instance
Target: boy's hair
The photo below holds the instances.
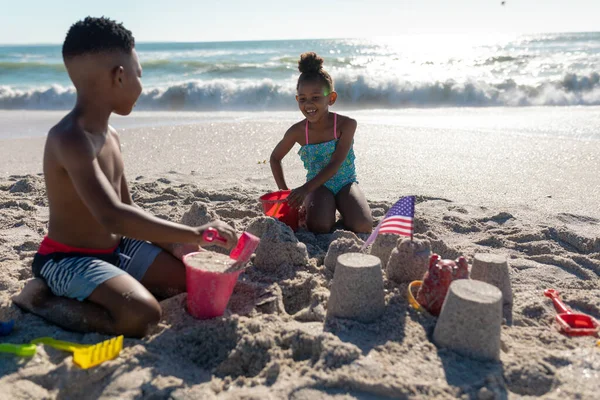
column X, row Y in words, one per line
column 95, row 35
column 311, row 69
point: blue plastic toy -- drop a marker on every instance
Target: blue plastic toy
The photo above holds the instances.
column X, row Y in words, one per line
column 6, row 327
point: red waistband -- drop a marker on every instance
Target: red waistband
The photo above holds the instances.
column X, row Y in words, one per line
column 49, row 246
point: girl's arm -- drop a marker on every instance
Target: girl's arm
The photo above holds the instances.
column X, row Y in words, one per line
column 280, row 151
column 344, row 144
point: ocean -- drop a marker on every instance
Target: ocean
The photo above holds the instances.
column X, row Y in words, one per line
column 385, row 73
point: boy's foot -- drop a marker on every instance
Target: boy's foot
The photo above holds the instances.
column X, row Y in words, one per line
column 69, row 314
column 33, row 295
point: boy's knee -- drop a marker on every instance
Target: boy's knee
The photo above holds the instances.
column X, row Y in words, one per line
column 139, row 318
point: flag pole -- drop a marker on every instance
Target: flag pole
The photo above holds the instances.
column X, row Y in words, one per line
column 412, row 229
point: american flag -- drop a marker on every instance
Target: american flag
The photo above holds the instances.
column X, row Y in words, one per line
column 398, row 220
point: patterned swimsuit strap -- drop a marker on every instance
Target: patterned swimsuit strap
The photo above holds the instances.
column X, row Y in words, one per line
column 335, row 125
column 334, row 128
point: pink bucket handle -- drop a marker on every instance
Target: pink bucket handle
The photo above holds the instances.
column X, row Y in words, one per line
column 247, row 244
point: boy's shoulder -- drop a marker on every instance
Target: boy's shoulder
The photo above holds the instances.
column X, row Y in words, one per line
column 66, row 132
column 68, row 138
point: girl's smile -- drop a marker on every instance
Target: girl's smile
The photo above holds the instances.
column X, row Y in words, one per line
column 312, row 101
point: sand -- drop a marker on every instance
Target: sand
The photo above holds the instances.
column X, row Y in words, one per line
column 538, row 159
column 519, row 183
column 209, row 261
column 273, row 341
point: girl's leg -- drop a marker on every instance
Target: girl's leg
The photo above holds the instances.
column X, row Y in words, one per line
column 320, row 210
column 354, row 208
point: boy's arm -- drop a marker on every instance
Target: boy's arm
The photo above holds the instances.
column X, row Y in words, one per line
column 280, row 151
column 337, row 158
column 172, row 248
column 76, row 155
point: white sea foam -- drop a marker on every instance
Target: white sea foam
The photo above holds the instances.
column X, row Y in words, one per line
column 357, row 91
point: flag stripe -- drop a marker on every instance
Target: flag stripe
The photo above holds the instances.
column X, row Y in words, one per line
column 392, row 223
column 406, row 232
column 398, row 218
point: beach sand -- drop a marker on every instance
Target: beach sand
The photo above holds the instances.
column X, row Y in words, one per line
column 480, row 189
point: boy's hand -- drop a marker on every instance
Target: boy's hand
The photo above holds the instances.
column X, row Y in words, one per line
column 297, row 196
column 225, row 231
column 179, row 250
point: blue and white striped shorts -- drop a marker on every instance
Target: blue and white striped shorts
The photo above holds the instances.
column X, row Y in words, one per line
column 76, row 275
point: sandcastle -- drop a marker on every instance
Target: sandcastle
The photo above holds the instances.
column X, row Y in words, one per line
column 338, row 247
column 493, row 269
column 471, row 319
column 409, row 260
column 278, row 245
column 357, row 289
column 383, row 246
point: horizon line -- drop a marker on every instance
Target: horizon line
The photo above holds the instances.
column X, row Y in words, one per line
column 301, row 39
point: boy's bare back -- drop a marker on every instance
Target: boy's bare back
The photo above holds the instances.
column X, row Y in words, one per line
column 71, row 221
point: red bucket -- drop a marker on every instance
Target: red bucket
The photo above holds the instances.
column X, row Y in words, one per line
column 275, row 205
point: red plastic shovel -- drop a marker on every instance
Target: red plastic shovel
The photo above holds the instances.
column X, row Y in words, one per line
column 211, row 234
column 570, row 323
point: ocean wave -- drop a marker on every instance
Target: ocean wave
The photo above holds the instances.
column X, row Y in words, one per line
column 354, row 91
column 506, row 59
column 192, row 66
column 11, row 66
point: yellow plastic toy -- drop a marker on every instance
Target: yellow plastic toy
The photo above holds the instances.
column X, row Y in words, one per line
column 86, row 355
column 411, row 298
column 21, row 350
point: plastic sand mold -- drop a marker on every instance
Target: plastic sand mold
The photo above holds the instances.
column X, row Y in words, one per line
column 411, row 298
column 87, row 355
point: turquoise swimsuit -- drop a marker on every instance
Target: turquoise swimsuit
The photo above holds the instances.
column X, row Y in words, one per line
column 317, row 156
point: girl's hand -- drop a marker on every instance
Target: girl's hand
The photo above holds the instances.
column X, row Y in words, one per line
column 296, row 198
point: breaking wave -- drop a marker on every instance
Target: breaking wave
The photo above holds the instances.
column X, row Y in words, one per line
column 354, row 91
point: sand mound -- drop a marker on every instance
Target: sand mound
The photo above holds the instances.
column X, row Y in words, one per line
column 278, row 245
column 383, row 245
column 338, row 247
column 409, row 260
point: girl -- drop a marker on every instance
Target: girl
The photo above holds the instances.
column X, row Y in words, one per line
column 326, row 141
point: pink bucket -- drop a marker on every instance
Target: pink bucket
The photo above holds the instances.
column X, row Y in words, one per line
column 208, row 292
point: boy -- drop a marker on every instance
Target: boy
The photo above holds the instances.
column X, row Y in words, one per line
column 89, row 253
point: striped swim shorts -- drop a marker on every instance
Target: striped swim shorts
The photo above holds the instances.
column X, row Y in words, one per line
column 76, row 275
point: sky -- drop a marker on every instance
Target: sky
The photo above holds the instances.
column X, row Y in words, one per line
column 47, row 21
